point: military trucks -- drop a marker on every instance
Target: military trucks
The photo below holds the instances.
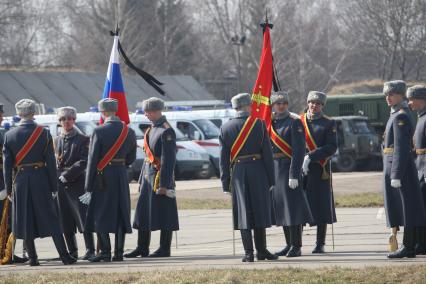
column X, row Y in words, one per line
column 358, row 144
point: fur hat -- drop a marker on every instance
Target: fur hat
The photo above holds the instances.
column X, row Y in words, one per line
column 241, row 100
column 317, row 96
column 153, row 104
column 396, row 87
column 417, row 92
column 25, row 107
column 108, row 104
column 67, row 111
column 279, row 97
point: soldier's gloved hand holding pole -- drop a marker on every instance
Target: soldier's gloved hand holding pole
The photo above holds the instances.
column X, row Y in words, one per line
column 293, row 183
column 305, row 166
column 62, row 179
column 396, row 183
column 3, row 194
column 85, row 198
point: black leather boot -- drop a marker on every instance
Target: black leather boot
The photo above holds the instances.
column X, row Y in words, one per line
column 248, row 245
column 105, row 252
column 165, row 244
column 407, row 249
column 321, row 233
column 72, row 245
column 65, row 257
column 260, row 242
column 421, row 240
column 120, row 237
column 32, row 253
column 144, row 239
column 296, row 241
column 285, row 250
column 89, row 242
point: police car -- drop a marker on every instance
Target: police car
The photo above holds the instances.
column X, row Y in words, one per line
column 201, row 130
column 191, row 159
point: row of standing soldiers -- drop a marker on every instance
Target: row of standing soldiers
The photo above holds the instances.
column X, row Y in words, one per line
column 286, row 180
column 85, row 187
column 280, row 177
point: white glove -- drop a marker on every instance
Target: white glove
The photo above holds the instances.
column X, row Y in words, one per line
column 171, row 193
column 54, row 194
column 396, row 183
column 227, row 193
column 272, row 188
column 3, row 194
column 63, row 179
column 293, row 183
column 305, row 166
column 85, row 198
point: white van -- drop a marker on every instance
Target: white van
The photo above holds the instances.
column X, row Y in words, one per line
column 191, row 159
column 201, row 130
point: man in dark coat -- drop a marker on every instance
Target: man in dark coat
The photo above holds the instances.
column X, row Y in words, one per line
column 156, row 208
column 71, row 150
column 403, row 198
column 417, row 101
column 30, row 178
column 290, row 205
column 3, row 196
column 321, row 142
column 247, row 172
column 107, row 185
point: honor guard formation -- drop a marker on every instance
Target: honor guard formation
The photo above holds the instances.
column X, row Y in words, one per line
column 275, row 175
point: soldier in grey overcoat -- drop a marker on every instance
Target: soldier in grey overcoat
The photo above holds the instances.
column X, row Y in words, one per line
column 156, row 208
column 290, row 204
column 71, row 150
column 317, row 177
column 403, row 198
column 107, row 191
column 248, row 178
column 417, row 101
column 32, row 184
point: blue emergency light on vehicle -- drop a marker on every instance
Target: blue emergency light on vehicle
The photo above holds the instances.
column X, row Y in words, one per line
column 16, row 119
column 181, row 108
column 93, row 109
column 6, row 125
column 139, row 111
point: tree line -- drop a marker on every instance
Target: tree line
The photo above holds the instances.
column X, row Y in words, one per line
column 316, row 44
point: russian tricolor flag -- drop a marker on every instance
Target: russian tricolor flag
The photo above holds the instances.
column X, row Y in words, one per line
column 114, row 84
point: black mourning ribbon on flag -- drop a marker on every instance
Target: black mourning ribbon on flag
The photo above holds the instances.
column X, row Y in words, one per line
column 151, row 80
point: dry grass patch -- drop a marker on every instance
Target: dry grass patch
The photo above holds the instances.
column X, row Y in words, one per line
column 388, row 274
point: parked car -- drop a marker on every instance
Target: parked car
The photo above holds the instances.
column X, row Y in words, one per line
column 192, row 161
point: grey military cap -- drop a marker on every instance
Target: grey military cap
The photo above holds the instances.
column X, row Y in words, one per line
column 153, row 104
column 25, row 107
column 279, row 97
column 241, row 100
column 67, row 111
column 417, row 92
column 108, row 104
column 395, row 87
column 1, row 108
column 317, row 96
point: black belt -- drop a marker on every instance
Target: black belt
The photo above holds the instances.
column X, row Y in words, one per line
column 248, row 158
